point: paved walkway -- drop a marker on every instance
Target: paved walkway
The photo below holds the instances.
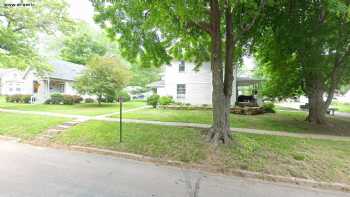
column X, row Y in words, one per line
column 124, row 111
column 183, row 124
column 29, row 171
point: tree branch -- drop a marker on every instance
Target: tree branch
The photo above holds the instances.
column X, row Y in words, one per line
column 204, row 26
column 18, row 29
column 246, row 28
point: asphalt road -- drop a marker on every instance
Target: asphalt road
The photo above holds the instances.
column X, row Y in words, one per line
column 31, row 171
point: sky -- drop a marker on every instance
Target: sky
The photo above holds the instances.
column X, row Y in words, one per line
column 82, row 10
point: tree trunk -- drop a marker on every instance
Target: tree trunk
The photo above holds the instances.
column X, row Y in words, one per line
column 99, row 98
column 317, row 106
column 220, row 130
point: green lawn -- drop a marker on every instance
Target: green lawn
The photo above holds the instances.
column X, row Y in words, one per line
column 280, row 121
column 317, row 159
column 342, row 107
column 24, row 126
column 90, row 109
column 182, row 144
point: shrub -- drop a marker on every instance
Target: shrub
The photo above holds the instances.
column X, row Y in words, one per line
column 77, row 99
column 56, row 98
column 123, row 94
column 89, row 100
column 166, row 100
column 48, row 101
column 109, row 99
column 18, row 98
column 68, row 99
column 269, row 107
column 26, row 98
column 153, row 100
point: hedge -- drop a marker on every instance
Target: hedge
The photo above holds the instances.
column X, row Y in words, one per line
column 63, row 99
column 18, row 98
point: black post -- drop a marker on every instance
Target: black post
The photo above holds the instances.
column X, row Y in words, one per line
column 120, row 118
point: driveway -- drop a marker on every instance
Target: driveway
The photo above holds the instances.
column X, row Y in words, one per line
column 35, row 171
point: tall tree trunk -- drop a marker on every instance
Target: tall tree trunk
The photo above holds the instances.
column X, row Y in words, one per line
column 220, row 130
column 317, row 106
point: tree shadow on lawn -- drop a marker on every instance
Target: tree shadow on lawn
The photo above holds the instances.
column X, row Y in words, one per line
column 292, row 122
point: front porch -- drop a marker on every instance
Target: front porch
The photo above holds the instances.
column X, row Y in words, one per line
column 44, row 88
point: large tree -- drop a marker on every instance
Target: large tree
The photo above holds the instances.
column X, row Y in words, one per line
column 103, row 76
column 19, row 28
column 306, row 49
column 83, row 43
column 154, row 32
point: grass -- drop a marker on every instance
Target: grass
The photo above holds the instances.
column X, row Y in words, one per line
column 280, row 121
column 182, row 144
column 342, row 107
column 89, row 109
column 316, row 159
column 24, row 126
column 2, row 99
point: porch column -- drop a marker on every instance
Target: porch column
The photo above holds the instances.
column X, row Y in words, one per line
column 48, row 87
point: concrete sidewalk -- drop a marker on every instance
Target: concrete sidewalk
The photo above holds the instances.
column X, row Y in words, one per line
column 183, row 124
column 32, row 171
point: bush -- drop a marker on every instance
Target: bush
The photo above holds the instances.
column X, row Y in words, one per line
column 123, row 94
column 56, row 99
column 153, row 100
column 68, row 99
column 18, row 98
column 26, row 98
column 89, row 100
column 166, row 100
column 108, row 99
column 269, row 107
column 77, row 99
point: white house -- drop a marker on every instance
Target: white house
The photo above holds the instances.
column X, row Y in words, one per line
column 186, row 84
column 59, row 80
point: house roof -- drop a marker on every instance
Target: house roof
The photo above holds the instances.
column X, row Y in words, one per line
column 246, row 81
column 3, row 71
column 65, row 70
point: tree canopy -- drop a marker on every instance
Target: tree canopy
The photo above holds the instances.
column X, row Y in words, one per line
column 83, row 43
column 103, row 76
column 20, row 26
column 306, row 49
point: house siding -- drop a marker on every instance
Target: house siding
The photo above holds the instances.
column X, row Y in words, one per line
column 198, row 83
column 13, row 83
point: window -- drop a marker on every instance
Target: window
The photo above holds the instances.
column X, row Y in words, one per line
column 182, row 66
column 61, row 88
column 18, row 89
column 181, row 91
column 10, row 89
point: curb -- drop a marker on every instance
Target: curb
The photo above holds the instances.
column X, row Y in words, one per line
column 6, row 138
column 236, row 172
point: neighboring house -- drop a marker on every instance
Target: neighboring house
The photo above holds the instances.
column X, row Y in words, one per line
column 345, row 98
column 29, row 82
